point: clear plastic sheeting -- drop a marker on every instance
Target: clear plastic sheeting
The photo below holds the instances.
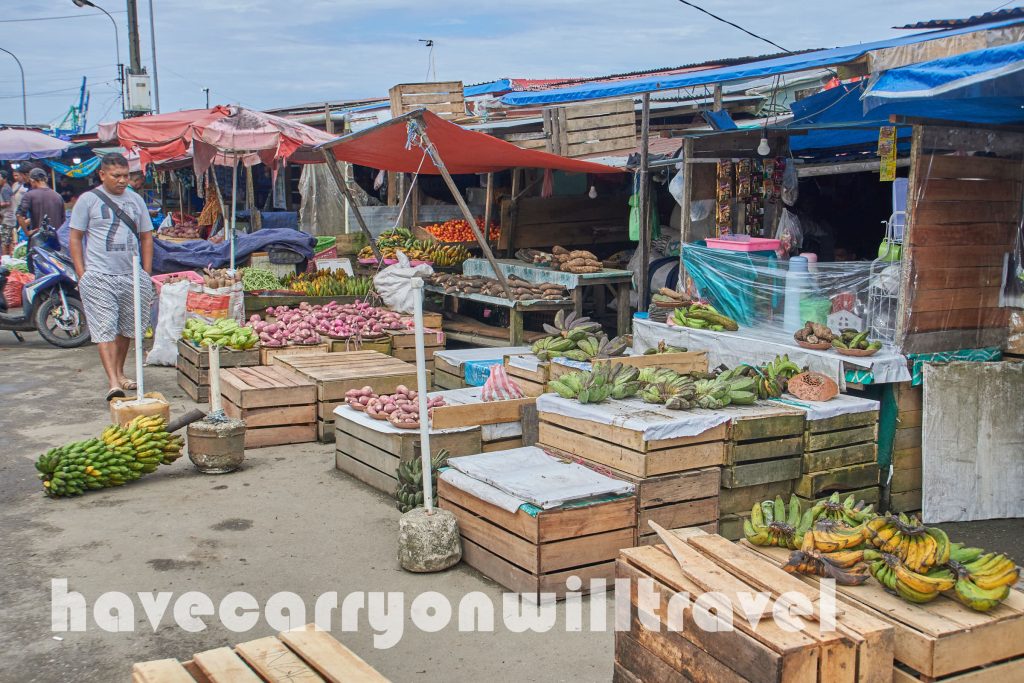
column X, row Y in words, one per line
column 322, row 211
column 760, row 290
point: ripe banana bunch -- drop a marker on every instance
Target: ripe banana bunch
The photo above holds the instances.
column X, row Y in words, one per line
column 552, row 347
column 910, row 585
column 447, row 254
column 120, row 455
column 409, row 493
column 773, row 523
column 982, row 580
column 822, row 564
column 829, row 536
column 919, row 547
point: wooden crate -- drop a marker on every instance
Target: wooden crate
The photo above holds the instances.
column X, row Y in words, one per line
column 765, row 445
column 942, row 640
column 198, row 393
column 581, row 129
column 229, row 358
column 370, row 450
column 626, row 450
column 538, row 376
column 849, row 478
column 336, row 373
column 268, row 353
column 858, row 650
column 304, row 654
column 447, row 376
column 734, row 504
column 680, row 499
column 382, row 345
column 536, row 554
column 278, row 405
column 444, row 98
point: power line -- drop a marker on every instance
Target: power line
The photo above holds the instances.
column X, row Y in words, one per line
column 52, row 92
column 726, row 21
column 63, row 16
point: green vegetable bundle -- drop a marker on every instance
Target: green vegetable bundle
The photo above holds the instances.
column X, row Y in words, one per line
column 256, row 279
column 225, row 332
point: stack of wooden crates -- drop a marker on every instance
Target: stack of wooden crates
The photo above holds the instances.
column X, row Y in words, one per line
column 905, row 487
column 841, row 451
column 278, row 405
column 193, row 366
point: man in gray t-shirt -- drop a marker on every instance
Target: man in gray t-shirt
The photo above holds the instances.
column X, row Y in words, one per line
column 111, row 217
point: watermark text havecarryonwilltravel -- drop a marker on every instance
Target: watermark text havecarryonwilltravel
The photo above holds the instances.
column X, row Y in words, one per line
column 389, row 614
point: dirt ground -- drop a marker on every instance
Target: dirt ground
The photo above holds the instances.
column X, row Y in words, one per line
column 287, row 521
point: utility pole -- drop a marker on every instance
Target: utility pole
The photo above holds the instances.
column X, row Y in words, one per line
column 134, row 60
column 152, row 44
column 207, row 91
column 24, row 100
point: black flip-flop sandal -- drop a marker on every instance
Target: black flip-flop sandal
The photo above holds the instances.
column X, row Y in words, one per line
column 114, row 393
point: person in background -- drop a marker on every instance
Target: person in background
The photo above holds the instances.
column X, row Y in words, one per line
column 117, row 225
column 136, row 181
column 8, row 226
column 19, row 186
column 40, row 203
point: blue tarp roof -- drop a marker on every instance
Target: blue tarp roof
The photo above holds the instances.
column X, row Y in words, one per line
column 748, row 71
column 500, row 85
column 835, row 111
column 984, row 86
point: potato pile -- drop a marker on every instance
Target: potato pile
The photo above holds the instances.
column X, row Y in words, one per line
column 577, row 262
column 401, row 408
column 478, row 284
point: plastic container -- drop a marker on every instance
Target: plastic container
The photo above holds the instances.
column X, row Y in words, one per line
column 743, row 243
column 797, row 287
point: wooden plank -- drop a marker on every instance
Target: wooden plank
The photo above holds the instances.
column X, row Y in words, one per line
column 870, row 495
column 905, row 480
column 272, row 660
column 842, row 479
column 751, row 451
column 678, row 487
column 682, row 362
column 688, row 662
column 821, row 461
column 484, row 413
column 520, row 524
column 222, row 665
column 934, row 166
column 969, row 139
column 963, row 318
column 433, row 87
column 909, row 419
column 597, row 133
column 574, row 552
column 505, row 544
column 591, row 519
column 199, row 394
column 497, row 568
column 272, row 417
column 954, row 278
column 365, row 473
column 446, row 380
column 662, row 461
column 743, row 653
column 1012, row 670
column 503, row 445
column 629, row 438
column 906, row 459
column 619, row 144
column 194, row 671
column 332, row 660
column 268, row 353
column 763, row 472
column 845, row 421
column 970, row 234
column 828, row 440
column 909, row 437
column 787, row 422
column 280, row 436
column 966, row 211
column 940, row 189
column 908, row 397
column 741, row 499
column 575, row 111
column 905, row 501
column 981, row 256
column 160, row 671
column 675, row 515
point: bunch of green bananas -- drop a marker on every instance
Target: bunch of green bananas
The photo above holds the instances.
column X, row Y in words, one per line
column 772, row 523
column 983, row 580
column 409, row 493
column 552, row 347
column 703, row 316
column 677, row 389
column 606, row 380
column 225, row 332
column 853, row 339
column 728, row 388
column 850, row 511
column 120, row 455
column 662, row 347
column 912, row 586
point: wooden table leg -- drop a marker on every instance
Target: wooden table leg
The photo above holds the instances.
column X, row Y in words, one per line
column 600, row 301
column 624, row 312
column 515, row 327
column 577, row 300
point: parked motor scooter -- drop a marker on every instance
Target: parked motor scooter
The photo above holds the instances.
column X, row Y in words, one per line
column 50, row 303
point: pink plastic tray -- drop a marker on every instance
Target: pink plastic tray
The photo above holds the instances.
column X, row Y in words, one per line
column 744, row 243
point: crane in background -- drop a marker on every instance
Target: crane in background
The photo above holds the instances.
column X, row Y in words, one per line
column 74, row 121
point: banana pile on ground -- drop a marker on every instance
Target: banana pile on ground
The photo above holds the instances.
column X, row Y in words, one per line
column 607, row 380
column 855, row 340
column 225, row 332
column 409, row 494
column 848, row 542
column 578, row 262
column 702, row 317
column 770, row 380
column 120, row 455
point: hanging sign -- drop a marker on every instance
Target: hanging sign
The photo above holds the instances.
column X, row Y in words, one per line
column 887, row 153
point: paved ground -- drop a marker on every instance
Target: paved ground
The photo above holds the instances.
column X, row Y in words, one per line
column 288, row 521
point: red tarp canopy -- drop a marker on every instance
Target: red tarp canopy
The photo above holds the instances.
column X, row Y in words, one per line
column 161, row 137
column 462, row 151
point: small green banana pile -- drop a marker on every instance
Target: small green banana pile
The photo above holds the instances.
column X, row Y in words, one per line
column 850, row 338
column 703, row 316
column 580, row 346
column 409, row 494
column 770, row 380
column 607, row 380
column 225, row 332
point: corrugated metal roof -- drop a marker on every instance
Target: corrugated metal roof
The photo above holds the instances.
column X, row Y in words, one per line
column 976, row 20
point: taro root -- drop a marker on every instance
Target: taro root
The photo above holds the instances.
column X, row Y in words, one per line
column 813, row 386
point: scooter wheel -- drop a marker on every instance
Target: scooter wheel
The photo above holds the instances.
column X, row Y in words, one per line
column 60, row 333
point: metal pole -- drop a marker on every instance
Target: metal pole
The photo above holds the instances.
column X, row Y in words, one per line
column 152, row 45
column 134, row 59
column 117, row 45
column 421, row 391
column 24, row 100
column 207, row 91
column 137, row 296
column 234, row 195
column 645, row 205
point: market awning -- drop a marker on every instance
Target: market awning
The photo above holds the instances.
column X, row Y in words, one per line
column 984, row 86
column 739, row 72
column 389, row 147
column 835, row 119
column 19, row 144
column 160, row 137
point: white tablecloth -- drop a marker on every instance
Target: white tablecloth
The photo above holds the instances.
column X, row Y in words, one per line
column 843, row 404
column 457, row 357
column 750, row 345
column 655, row 422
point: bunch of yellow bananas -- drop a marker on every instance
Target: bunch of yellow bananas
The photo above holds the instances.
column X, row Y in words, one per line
column 919, row 547
column 912, row 586
column 983, row 580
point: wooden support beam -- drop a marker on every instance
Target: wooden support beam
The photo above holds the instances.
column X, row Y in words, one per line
column 645, row 204
column 332, row 166
column 488, row 202
column 688, row 172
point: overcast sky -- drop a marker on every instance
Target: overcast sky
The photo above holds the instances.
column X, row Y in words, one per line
column 271, row 53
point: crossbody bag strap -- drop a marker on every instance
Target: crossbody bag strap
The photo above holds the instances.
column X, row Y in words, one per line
column 118, row 211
